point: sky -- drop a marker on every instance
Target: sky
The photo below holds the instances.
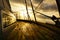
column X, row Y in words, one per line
column 47, row 7
column 46, row 4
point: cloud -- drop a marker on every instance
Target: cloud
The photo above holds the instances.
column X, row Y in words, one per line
column 17, row 1
column 37, row 1
column 49, row 7
column 28, row 1
column 45, row 6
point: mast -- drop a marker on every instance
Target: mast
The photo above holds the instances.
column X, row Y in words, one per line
column 1, row 7
column 1, row 26
column 33, row 10
column 27, row 10
column 58, row 4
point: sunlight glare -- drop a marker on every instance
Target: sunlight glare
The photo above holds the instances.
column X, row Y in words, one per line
column 22, row 10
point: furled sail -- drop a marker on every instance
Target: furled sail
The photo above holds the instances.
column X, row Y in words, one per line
column 5, row 5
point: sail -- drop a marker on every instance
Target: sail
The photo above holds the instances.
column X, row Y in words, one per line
column 1, row 4
column 5, row 4
column 58, row 4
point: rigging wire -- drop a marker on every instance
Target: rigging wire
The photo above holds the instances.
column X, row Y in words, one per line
column 43, row 14
column 38, row 5
column 27, row 10
column 33, row 10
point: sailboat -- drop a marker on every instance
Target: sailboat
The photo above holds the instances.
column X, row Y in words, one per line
column 39, row 31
